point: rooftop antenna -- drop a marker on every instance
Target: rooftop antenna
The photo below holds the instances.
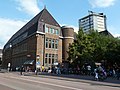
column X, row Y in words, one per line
column 44, row 6
column 90, row 12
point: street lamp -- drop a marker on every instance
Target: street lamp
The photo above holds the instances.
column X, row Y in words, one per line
column 37, row 64
column 9, row 64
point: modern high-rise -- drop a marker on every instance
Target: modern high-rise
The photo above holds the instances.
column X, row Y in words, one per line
column 93, row 21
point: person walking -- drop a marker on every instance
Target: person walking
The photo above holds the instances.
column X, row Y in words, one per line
column 96, row 73
column 118, row 73
column 9, row 66
column 21, row 70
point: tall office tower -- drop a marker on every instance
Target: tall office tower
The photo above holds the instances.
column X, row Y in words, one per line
column 95, row 21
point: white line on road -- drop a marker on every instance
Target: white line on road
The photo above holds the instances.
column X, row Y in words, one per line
column 47, row 83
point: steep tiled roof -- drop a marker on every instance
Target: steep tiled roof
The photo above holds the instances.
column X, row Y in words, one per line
column 44, row 16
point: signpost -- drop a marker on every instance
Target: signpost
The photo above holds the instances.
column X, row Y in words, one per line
column 37, row 64
column 9, row 67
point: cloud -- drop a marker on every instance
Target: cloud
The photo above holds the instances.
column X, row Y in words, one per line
column 7, row 28
column 28, row 6
column 116, row 35
column 101, row 3
column 113, row 30
column 75, row 28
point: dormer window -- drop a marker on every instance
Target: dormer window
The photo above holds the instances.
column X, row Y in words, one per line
column 51, row 30
column 47, row 29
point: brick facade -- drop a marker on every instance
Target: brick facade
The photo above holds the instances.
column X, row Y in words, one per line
column 42, row 38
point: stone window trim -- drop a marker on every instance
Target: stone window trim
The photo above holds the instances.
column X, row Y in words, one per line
column 51, row 58
column 51, row 43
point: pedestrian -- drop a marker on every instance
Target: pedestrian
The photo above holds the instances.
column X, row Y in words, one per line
column 118, row 73
column 89, row 70
column 43, row 68
column 49, row 70
column 114, row 73
column 96, row 73
column 21, row 70
column 9, row 65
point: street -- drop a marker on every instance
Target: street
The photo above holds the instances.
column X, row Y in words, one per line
column 10, row 81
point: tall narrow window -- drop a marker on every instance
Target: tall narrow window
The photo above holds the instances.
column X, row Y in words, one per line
column 50, row 43
column 56, row 58
column 49, row 58
column 57, row 31
column 51, row 30
column 56, row 44
column 46, row 29
column 54, row 31
column 52, row 58
column 46, row 42
column 53, row 43
column 46, row 57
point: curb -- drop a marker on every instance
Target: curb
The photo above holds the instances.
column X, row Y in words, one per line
column 90, row 81
column 74, row 78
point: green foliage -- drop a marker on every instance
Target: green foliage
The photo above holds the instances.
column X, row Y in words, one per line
column 94, row 47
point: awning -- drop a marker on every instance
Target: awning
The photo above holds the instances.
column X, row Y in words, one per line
column 29, row 62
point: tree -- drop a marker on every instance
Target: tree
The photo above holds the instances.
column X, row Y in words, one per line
column 113, row 51
column 100, row 42
column 94, row 47
column 81, row 49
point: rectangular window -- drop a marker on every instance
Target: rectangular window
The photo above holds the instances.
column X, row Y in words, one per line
column 56, row 57
column 50, row 43
column 51, row 30
column 52, row 58
column 46, row 42
column 46, row 29
column 57, row 32
column 49, row 58
column 53, row 43
column 54, row 31
column 56, row 44
column 46, row 57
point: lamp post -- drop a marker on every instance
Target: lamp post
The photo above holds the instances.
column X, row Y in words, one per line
column 37, row 64
column 9, row 64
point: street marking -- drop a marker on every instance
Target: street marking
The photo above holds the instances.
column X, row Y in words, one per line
column 48, row 83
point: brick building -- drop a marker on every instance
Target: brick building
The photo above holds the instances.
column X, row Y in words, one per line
column 42, row 40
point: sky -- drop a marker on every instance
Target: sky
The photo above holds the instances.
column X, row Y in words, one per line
column 16, row 13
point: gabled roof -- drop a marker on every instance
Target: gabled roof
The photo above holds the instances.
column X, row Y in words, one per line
column 44, row 16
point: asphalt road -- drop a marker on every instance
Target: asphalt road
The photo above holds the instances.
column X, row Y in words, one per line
column 9, row 81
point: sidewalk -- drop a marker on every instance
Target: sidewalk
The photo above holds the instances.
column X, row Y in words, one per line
column 83, row 77
column 78, row 78
column 112, row 82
